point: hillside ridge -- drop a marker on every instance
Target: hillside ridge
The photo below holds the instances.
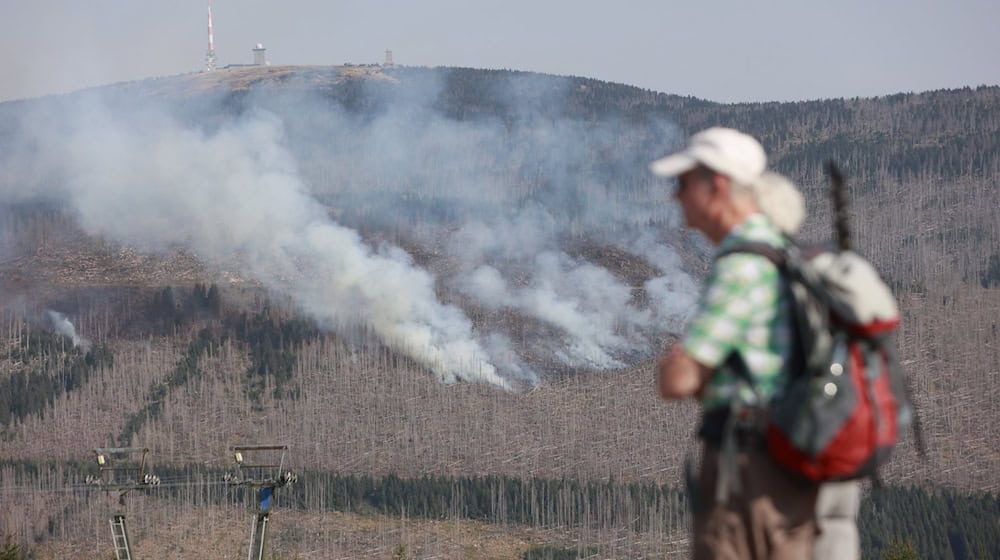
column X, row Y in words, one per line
column 244, row 252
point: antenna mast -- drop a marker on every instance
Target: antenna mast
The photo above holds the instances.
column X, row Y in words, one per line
column 210, row 53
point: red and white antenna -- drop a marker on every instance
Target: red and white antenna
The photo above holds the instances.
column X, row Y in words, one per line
column 210, row 53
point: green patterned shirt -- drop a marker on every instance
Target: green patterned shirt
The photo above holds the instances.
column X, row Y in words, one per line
column 743, row 309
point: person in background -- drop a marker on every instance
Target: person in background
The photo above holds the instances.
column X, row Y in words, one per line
column 745, row 506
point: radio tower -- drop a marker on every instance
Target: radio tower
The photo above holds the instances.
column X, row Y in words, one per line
column 210, row 53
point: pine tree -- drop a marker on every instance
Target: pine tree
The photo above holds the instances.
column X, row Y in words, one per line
column 901, row 550
column 11, row 551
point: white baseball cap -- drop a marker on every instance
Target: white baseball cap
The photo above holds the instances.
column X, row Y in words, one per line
column 730, row 152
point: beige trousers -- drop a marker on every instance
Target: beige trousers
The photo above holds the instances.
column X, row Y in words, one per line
column 771, row 518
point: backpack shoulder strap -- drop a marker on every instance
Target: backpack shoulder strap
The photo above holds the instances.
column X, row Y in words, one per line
column 772, row 253
column 734, row 362
column 780, row 257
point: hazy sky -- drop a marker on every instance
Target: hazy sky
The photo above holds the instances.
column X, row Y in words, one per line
column 722, row 50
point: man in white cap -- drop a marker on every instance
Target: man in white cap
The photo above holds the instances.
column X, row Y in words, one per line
column 745, row 505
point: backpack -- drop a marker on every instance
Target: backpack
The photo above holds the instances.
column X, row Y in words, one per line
column 845, row 401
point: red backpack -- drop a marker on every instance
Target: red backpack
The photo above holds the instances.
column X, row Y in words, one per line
column 845, row 401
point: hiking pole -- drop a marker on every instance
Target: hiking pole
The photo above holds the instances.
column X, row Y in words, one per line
column 843, row 232
column 840, row 216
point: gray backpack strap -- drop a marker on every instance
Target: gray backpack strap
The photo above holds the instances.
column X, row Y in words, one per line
column 770, row 252
column 780, row 258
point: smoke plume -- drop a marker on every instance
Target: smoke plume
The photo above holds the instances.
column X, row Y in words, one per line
column 317, row 202
column 61, row 325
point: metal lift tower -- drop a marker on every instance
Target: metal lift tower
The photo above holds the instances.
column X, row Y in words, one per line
column 121, row 472
column 210, row 53
column 260, row 467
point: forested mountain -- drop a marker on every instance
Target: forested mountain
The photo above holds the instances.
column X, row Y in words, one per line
column 427, row 279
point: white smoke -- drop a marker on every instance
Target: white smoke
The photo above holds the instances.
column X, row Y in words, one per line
column 236, row 193
column 501, row 200
column 61, row 325
column 585, row 302
column 671, row 296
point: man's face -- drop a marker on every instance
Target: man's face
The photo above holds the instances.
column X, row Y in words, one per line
column 695, row 190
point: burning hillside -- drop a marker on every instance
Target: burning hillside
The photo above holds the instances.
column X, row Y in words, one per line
column 446, row 223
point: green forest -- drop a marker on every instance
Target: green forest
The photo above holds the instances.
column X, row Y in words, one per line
column 932, row 523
